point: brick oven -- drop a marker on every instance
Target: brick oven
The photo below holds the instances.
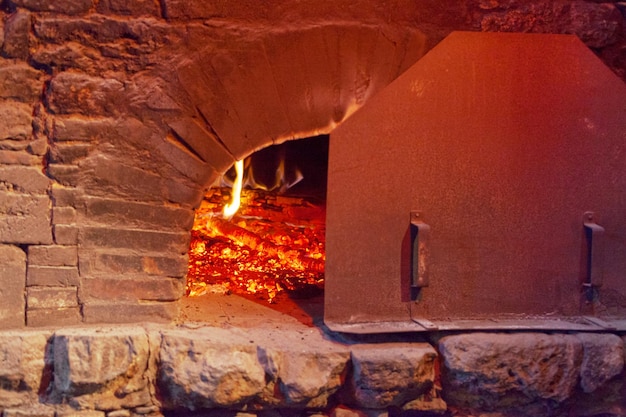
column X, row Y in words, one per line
column 116, row 116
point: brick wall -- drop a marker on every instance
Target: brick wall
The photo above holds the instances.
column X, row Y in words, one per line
column 116, row 115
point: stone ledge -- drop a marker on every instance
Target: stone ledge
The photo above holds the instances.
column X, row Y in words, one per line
column 155, row 369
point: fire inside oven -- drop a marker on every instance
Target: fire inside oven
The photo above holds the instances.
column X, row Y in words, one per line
column 261, row 230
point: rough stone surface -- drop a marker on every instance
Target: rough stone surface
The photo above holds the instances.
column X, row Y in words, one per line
column 25, row 218
column 509, row 370
column 102, row 369
column 15, row 120
column 391, row 374
column 23, row 179
column 16, row 35
column 302, row 369
column 70, row 7
column 12, row 283
column 603, row 359
column 23, row 366
column 20, row 82
column 212, row 368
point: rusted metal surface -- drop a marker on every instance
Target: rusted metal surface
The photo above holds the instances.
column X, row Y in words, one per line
column 502, row 143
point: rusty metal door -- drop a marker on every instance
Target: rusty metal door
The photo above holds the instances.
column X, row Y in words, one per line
column 484, row 188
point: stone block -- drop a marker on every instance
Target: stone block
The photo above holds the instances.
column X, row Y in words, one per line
column 12, row 282
column 24, row 179
column 63, row 216
column 82, row 94
column 124, row 7
column 65, row 234
column 121, row 178
column 52, row 276
column 204, row 144
column 603, row 359
column 301, row 372
column 52, row 255
column 505, row 371
column 117, row 212
column 208, row 368
column 167, row 243
column 118, row 312
column 31, row 411
column 20, row 82
column 185, row 161
column 100, row 368
column 25, row 218
column 51, row 297
column 69, row 7
column 16, row 35
column 96, row 262
column 53, row 317
column 79, row 129
column 129, row 288
column 188, row 195
column 71, row 154
column 10, row 157
column 387, row 374
column 16, row 120
column 66, row 196
column 67, row 175
column 23, row 366
column 80, row 413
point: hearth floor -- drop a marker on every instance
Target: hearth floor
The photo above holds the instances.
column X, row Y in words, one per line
column 247, row 312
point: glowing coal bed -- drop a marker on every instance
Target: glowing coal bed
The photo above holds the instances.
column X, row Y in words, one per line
column 271, row 247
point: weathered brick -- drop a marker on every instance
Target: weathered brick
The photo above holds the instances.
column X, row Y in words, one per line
column 129, row 213
column 80, row 129
column 132, row 8
column 113, row 178
column 68, row 175
column 32, row 411
column 38, row 147
column 51, row 297
column 190, row 195
column 12, row 282
column 184, row 161
column 55, row 255
column 24, row 179
column 65, row 234
column 69, row 153
column 203, row 143
column 146, row 240
column 82, row 94
column 131, row 289
column 98, row 263
column 20, row 82
column 66, row 196
column 103, row 312
column 52, row 276
column 16, row 35
column 19, row 158
column 70, row 7
column 63, row 215
column 53, row 317
column 16, row 120
column 25, row 218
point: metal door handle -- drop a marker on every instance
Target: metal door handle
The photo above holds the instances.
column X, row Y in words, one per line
column 420, row 234
column 594, row 235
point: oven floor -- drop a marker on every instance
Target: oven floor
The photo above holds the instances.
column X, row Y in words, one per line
column 246, row 311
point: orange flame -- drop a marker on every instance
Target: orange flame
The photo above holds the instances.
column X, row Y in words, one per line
column 235, row 201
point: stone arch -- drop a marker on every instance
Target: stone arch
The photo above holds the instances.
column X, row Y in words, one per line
column 133, row 157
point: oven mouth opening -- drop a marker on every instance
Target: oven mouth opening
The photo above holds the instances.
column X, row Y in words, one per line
column 270, row 250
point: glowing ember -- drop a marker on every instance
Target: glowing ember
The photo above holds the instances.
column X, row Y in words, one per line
column 273, row 244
